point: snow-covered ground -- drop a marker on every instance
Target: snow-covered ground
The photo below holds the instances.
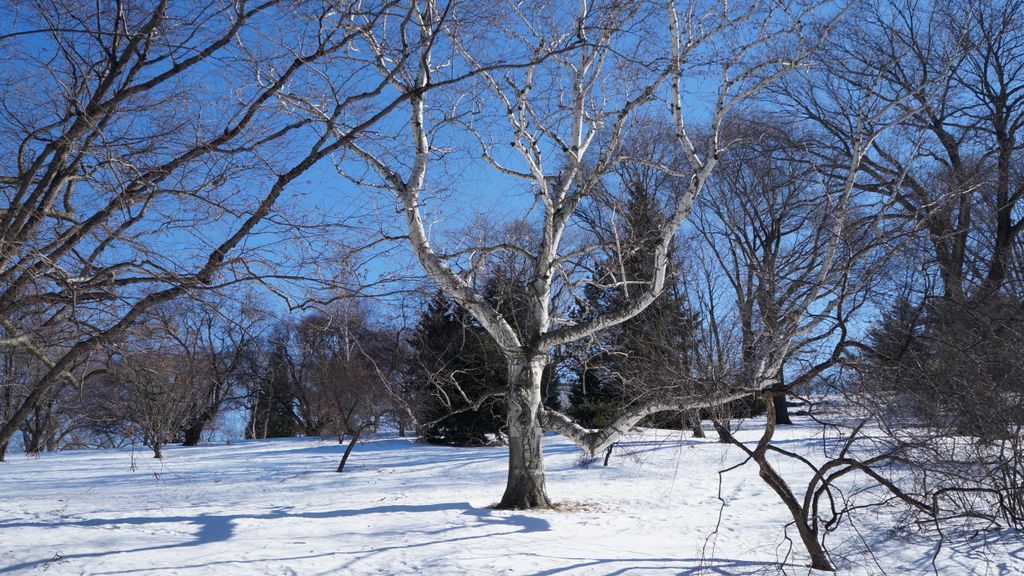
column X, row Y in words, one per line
column 277, row 507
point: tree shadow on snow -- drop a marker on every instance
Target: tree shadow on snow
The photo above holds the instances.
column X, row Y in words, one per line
column 1000, row 552
column 214, row 528
column 686, row 567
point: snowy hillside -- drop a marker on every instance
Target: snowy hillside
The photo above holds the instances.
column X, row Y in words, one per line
column 277, row 507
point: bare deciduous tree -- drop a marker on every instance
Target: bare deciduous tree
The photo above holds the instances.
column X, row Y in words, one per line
column 149, row 386
column 349, row 370
column 556, row 124
column 950, row 169
column 147, row 141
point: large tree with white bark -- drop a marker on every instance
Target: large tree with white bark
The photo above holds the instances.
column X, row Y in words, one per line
column 593, row 73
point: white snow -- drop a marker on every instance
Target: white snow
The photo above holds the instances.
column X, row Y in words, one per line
column 277, row 507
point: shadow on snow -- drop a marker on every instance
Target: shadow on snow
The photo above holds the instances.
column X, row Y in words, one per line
column 214, row 528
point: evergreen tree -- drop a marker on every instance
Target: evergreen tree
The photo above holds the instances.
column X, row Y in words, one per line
column 897, row 334
column 648, row 354
column 949, row 364
column 450, row 365
column 273, row 411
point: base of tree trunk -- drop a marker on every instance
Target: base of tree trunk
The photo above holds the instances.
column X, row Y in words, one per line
column 33, row 446
column 525, row 500
column 781, row 409
column 348, row 450
column 525, row 488
column 724, row 434
column 193, row 435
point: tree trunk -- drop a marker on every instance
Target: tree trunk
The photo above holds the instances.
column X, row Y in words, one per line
column 39, row 390
column 348, row 449
column 808, row 535
column 724, row 434
column 194, row 433
column 31, row 439
column 525, row 488
column 819, row 560
column 781, row 409
column 158, row 450
column 5, row 408
column 693, row 422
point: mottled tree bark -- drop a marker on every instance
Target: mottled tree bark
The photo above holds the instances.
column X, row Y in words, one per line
column 525, row 487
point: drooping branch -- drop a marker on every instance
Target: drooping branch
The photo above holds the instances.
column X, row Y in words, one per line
column 596, row 440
